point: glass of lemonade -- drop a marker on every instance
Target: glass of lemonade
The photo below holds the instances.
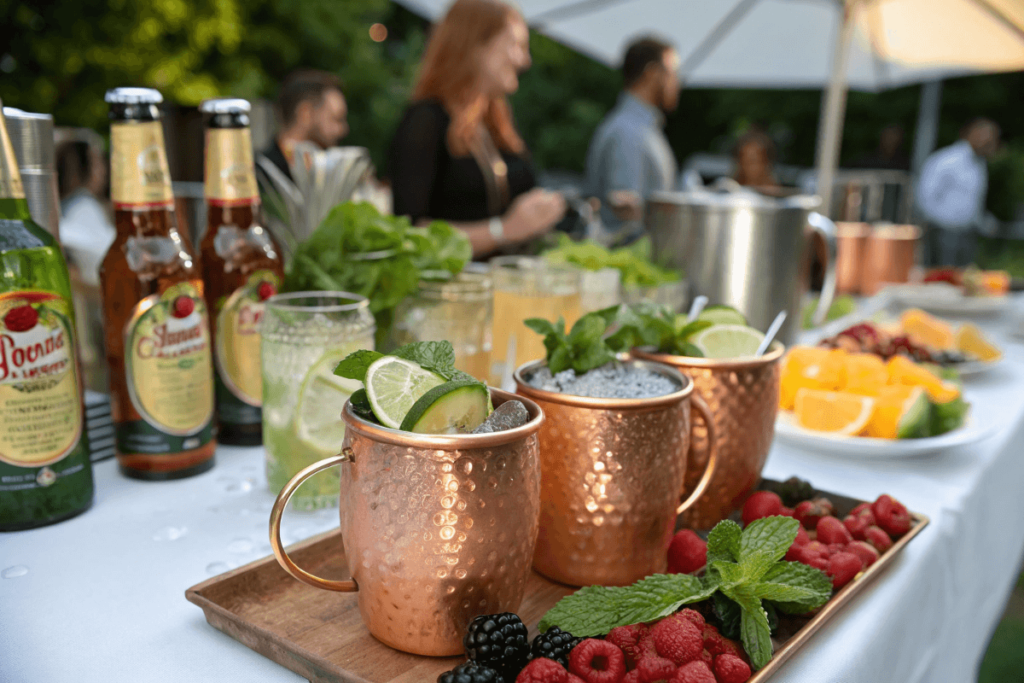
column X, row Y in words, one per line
column 458, row 311
column 528, row 287
column 304, row 336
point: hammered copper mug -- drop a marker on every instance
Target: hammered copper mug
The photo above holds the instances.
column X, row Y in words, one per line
column 743, row 394
column 437, row 529
column 612, row 475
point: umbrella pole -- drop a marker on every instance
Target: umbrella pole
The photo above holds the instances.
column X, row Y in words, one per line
column 830, row 131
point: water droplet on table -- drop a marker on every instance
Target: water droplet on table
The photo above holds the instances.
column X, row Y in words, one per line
column 215, row 568
column 243, row 486
column 240, row 546
column 170, row 533
column 14, row 572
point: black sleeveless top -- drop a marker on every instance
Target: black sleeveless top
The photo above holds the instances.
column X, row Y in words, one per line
column 428, row 182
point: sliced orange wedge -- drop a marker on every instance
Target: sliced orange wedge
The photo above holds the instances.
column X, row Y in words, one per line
column 834, row 412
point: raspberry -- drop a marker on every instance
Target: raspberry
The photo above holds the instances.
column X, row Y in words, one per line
column 694, row 672
column 573, row 678
column 645, row 648
column 864, row 511
column 834, row 548
column 655, row 669
column 786, row 512
column 543, row 671
column 678, row 640
column 810, row 511
column 731, row 647
column 877, row 538
column 597, row 661
column 730, row 669
column 632, row 677
column 842, row 567
column 891, row 515
column 865, row 551
column 714, row 642
column 761, row 504
column 687, row 553
column 21, row 318
column 856, row 525
column 183, row 306
column 818, row 548
column 802, row 538
column 627, row 638
column 470, row 672
column 810, row 557
column 690, row 615
column 707, row 658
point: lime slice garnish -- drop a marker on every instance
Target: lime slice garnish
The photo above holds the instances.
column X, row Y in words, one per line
column 916, row 418
column 728, row 341
column 722, row 315
column 456, row 407
column 322, row 397
column 394, row 384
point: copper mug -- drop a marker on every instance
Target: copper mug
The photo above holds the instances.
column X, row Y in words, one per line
column 612, row 475
column 743, row 395
column 851, row 243
column 889, row 256
column 437, row 529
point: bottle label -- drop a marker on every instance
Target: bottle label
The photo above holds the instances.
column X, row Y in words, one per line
column 168, row 366
column 238, row 337
column 139, row 175
column 40, row 406
column 230, row 177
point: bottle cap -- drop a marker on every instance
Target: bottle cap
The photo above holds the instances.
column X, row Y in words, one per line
column 225, row 105
column 133, row 96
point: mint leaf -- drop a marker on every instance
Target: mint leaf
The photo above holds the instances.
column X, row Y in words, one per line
column 436, row 356
column 689, row 329
column 354, row 365
column 596, row 610
column 755, row 633
column 724, row 542
column 795, row 588
column 727, row 573
column 769, row 537
column 361, row 405
column 541, row 326
column 583, row 349
column 586, row 332
column 729, row 614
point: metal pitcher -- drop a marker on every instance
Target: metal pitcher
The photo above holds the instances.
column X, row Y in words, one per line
column 745, row 250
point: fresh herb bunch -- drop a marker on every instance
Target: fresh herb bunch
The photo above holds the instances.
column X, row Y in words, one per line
column 746, row 578
column 633, row 262
column 658, row 327
column 437, row 357
column 585, row 347
column 356, row 249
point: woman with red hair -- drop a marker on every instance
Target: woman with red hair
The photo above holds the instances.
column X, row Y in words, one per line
column 456, row 155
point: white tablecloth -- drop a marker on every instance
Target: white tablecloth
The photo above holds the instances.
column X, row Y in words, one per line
column 101, row 597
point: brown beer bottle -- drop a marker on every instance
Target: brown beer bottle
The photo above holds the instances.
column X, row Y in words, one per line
column 154, row 315
column 241, row 268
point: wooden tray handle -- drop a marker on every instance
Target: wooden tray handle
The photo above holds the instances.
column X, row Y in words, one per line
column 709, row 471
column 286, row 562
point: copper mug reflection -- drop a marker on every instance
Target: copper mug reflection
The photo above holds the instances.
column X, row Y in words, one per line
column 437, row 529
column 743, row 395
column 612, row 475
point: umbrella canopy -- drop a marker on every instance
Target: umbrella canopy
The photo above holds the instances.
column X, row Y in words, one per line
column 791, row 43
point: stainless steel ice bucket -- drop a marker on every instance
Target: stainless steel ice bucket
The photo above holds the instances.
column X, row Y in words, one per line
column 32, row 138
column 745, row 250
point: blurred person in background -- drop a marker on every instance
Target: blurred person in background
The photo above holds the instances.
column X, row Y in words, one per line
column 629, row 156
column 754, row 159
column 86, row 230
column 456, row 155
column 310, row 108
column 951, row 194
column 889, row 155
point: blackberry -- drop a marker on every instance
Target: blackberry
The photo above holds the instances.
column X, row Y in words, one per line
column 554, row 644
column 498, row 641
column 470, row 672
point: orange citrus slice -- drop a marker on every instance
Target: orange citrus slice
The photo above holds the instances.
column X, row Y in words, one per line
column 835, row 412
column 971, row 341
column 865, row 374
column 927, row 330
column 901, row 411
column 902, row 370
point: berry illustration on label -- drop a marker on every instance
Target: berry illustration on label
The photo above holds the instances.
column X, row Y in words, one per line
column 21, row 319
column 183, row 307
column 265, row 290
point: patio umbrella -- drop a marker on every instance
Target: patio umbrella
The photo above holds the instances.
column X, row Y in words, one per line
column 868, row 45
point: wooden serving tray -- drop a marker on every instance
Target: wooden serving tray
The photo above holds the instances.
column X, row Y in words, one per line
column 320, row 635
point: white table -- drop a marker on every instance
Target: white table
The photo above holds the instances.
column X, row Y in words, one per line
column 101, row 597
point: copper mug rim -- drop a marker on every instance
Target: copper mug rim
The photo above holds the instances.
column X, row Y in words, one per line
column 446, row 442
column 686, row 390
column 774, row 353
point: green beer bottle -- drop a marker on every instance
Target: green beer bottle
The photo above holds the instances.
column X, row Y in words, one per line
column 45, row 474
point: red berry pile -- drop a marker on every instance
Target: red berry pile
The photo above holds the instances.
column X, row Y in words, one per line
column 681, row 648
column 840, row 548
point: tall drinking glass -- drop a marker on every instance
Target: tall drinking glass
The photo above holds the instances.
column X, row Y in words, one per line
column 528, row 287
column 304, row 336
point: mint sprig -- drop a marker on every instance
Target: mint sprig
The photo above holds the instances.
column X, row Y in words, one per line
column 584, row 347
column 657, row 326
column 746, row 576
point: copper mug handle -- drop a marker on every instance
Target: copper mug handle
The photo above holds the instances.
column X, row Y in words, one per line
column 709, row 469
column 347, row 586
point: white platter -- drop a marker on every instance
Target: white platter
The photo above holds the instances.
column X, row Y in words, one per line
column 945, row 299
column 860, row 447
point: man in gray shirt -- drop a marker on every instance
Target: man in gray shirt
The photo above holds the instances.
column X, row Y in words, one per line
column 629, row 155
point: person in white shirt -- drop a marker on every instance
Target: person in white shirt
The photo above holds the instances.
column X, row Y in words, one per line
column 951, row 194
column 86, row 231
